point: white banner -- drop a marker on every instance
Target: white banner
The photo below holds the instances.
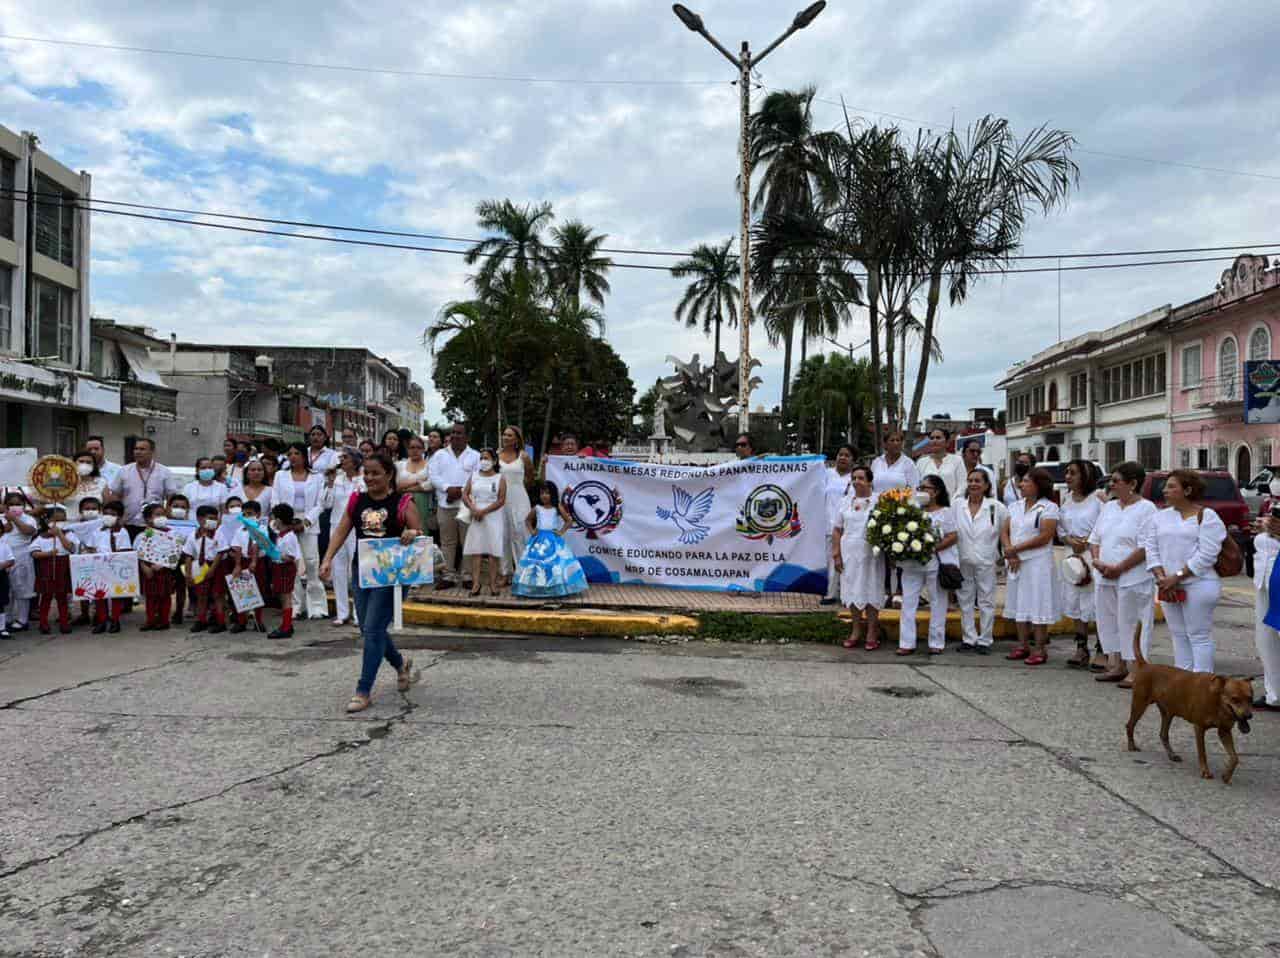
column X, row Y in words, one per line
column 756, row 525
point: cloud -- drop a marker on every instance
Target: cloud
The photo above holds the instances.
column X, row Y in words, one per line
column 651, row 165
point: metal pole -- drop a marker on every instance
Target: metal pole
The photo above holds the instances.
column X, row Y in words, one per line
column 744, row 314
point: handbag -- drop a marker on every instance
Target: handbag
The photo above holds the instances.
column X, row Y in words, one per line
column 949, row 576
column 1230, row 559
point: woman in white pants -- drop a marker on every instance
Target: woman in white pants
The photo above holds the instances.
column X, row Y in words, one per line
column 302, row 489
column 861, row 571
column 1031, row 597
column 1265, row 637
column 338, row 490
column 1182, row 545
column 979, row 521
column 1123, row 590
column 838, row 487
column 916, row 577
column 1079, row 514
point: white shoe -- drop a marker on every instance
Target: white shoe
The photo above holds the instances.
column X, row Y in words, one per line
column 339, row 622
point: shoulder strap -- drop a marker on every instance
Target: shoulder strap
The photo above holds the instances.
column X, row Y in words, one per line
column 403, row 507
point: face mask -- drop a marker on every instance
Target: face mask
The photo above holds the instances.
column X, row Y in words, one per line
column 211, row 524
column 234, row 510
column 241, row 457
column 84, row 469
column 53, row 524
column 178, row 512
column 204, row 475
column 923, row 499
column 277, row 525
column 90, row 514
column 160, row 522
column 486, row 465
column 108, row 521
column 1020, row 469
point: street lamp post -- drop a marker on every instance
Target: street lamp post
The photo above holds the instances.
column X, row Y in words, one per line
column 744, row 61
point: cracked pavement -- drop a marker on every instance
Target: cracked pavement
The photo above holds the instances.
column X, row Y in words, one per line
column 205, row 796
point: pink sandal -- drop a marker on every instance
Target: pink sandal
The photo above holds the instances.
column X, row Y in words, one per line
column 1019, row 654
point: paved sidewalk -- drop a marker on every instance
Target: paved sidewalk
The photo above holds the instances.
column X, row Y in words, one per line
column 634, row 597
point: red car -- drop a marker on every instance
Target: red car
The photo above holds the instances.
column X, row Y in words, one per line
column 1221, row 494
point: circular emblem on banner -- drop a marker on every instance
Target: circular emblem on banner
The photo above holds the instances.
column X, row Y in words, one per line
column 595, row 507
column 54, row 478
column 769, row 513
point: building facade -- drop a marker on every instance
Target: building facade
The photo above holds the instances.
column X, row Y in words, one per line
column 119, row 354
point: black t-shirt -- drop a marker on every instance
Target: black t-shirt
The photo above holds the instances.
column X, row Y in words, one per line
column 376, row 518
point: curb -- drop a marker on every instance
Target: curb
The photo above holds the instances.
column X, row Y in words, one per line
column 537, row 622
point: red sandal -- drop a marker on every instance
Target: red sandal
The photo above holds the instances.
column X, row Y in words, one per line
column 1038, row 659
column 1018, row 654
column 851, row 643
column 873, row 644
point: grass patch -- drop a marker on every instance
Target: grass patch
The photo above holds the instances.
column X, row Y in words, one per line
column 747, row 627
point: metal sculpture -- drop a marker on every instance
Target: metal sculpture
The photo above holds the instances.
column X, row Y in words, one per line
column 700, row 403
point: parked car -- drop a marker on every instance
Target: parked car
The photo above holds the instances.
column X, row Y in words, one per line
column 1259, row 487
column 1222, row 495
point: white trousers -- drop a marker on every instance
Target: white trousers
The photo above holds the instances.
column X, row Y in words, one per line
column 310, row 590
column 914, row 581
column 833, row 578
column 1121, row 611
column 1191, row 624
column 979, row 588
column 1267, row 640
column 342, row 571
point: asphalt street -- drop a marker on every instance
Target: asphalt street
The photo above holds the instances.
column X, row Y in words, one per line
column 171, row 794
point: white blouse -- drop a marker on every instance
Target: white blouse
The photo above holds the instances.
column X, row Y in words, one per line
column 944, row 523
column 837, row 488
column 1119, row 531
column 1174, row 543
column 979, row 536
column 1026, row 521
column 851, row 516
column 902, row 474
column 1078, row 518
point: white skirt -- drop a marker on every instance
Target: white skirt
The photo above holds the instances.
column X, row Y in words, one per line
column 1033, row 593
column 486, row 537
column 862, row 582
column 1077, row 600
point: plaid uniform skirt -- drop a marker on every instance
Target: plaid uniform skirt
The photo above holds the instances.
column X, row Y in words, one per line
column 53, row 576
column 158, row 585
column 283, row 575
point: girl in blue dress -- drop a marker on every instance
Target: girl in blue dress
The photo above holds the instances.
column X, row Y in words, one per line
column 548, row 568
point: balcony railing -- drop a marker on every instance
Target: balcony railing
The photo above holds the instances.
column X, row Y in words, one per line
column 1049, row 419
column 1213, row 391
column 149, row 401
column 264, row 429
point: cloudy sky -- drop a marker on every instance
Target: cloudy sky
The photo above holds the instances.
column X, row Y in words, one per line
column 649, row 161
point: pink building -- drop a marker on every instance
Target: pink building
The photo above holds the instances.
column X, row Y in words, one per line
column 1211, row 339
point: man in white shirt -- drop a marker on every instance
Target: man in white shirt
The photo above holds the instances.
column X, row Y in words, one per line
column 143, row 480
column 449, row 469
column 973, row 460
column 106, row 469
column 947, row 466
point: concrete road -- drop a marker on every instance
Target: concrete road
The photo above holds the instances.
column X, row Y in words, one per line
column 205, row 796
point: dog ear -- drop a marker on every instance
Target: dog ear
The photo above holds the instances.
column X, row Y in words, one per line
column 1217, row 683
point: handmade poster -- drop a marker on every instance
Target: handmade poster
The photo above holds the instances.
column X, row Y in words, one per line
column 84, row 532
column 755, row 525
column 105, row 575
column 244, row 592
column 182, row 530
column 15, row 466
column 158, row 548
column 385, row 562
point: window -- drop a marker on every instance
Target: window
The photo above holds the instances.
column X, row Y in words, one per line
column 6, row 308
column 1079, row 390
column 55, row 221
column 1191, row 366
column 1019, row 407
column 96, row 360
column 1228, row 369
column 1221, row 455
column 1037, row 399
column 1264, row 453
column 64, row 440
column 1202, row 458
column 54, row 332
column 8, row 197
column 1134, row 379
column 1114, row 454
column 1077, row 451
column 1184, row 457
column 1038, row 452
column 1260, row 344
column 1149, row 451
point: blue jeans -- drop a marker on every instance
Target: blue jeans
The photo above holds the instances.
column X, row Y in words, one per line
column 375, row 608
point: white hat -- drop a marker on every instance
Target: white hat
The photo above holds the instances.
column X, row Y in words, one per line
column 1075, row 570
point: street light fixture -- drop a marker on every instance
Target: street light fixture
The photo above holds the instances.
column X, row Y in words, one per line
column 744, row 61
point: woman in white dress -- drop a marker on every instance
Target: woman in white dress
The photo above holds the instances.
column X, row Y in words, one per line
column 861, row 572
column 205, row 490
column 515, row 466
column 1031, row 598
column 1078, row 515
column 91, row 484
column 916, row 578
column 254, row 485
column 1182, row 546
column 303, row 489
column 837, row 489
column 1123, row 590
column 485, row 495
column 980, row 521
column 339, row 487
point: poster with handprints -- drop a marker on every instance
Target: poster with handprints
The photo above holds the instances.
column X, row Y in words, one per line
column 105, row 575
column 244, row 592
column 158, row 548
column 385, row 562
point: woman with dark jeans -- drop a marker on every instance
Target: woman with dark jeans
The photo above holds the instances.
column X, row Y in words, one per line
column 378, row 513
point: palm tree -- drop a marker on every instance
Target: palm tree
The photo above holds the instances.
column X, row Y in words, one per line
column 797, row 174
column 566, row 323
column 834, row 390
column 576, row 264
column 973, row 197
column 478, row 325
column 518, row 244
column 713, row 292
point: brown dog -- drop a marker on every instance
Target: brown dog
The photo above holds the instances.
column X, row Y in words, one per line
column 1201, row 698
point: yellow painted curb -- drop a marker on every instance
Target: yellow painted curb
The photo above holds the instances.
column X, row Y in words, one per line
column 541, row 622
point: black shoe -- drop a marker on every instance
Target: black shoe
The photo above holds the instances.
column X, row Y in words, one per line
column 177, row 619
column 198, row 627
column 148, row 628
column 236, row 629
column 114, row 627
column 281, row 634
column 1260, row 705
column 966, row 647
column 216, row 628
column 162, row 628
column 20, row 627
column 5, row 635
column 44, row 630
column 64, row 629
column 99, row 628
column 83, row 620
column 983, row 649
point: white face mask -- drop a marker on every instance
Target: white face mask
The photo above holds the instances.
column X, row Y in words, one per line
column 486, row 465
column 90, row 514
column 211, row 524
column 277, row 525
column 84, row 468
column 923, row 499
column 179, row 513
column 233, row 510
column 108, row 521
column 160, row 522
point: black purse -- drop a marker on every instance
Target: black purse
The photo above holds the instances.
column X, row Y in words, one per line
column 950, row 577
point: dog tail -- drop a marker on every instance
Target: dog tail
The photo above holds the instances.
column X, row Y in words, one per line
column 1137, row 647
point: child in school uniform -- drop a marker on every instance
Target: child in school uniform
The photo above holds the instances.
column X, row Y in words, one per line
column 228, row 527
column 52, row 549
column 178, row 509
column 113, row 537
column 155, row 542
column 90, row 509
column 285, row 571
column 17, row 528
column 203, row 556
column 247, row 557
column 7, row 562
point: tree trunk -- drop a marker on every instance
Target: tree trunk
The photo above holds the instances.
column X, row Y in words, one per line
column 786, row 369
column 873, row 321
column 930, row 316
column 546, row 428
column 716, row 354
column 800, row 419
column 520, row 410
column 902, row 372
column 890, row 367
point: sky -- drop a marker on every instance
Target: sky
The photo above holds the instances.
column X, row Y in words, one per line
column 1173, row 105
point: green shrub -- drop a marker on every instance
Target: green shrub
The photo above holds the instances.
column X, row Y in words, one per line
column 747, row 627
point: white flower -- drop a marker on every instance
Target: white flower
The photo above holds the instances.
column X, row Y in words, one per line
column 903, row 537
column 912, row 526
column 901, row 511
column 928, row 537
column 897, row 548
column 886, row 528
column 875, row 550
column 915, row 545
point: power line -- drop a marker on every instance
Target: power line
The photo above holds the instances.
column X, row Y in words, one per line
column 347, row 68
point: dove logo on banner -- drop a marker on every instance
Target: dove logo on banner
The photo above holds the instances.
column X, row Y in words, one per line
column 733, row 527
